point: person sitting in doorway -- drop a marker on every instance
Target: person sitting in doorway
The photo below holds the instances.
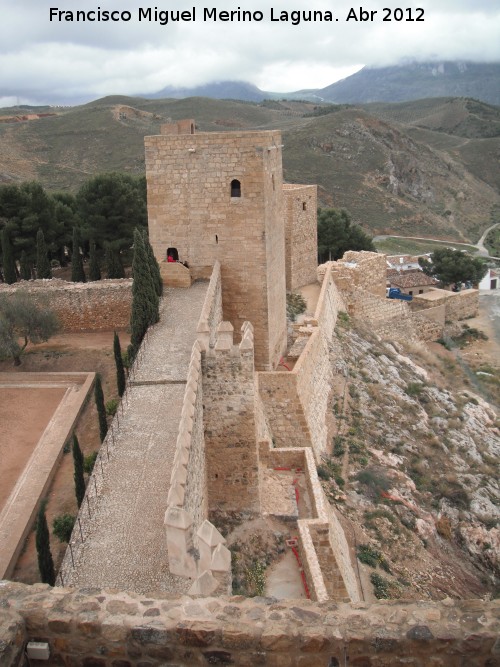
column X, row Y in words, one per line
column 170, row 258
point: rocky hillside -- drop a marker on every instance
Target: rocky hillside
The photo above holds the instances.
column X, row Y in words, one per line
column 428, row 168
column 414, row 469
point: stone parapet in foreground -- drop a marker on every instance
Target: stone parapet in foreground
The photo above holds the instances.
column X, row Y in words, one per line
column 93, row 627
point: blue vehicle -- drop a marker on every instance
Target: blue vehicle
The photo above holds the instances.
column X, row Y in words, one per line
column 396, row 293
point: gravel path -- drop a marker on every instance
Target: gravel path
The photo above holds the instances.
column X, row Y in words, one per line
column 126, row 548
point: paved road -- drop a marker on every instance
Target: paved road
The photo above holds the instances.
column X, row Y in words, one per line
column 481, row 250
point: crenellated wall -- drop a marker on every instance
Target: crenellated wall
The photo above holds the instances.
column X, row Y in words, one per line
column 195, row 547
column 211, row 313
column 102, row 305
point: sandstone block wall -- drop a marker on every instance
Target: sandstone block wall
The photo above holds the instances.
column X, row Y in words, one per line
column 175, row 274
column 230, row 422
column 192, row 206
column 462, row 305
column 103, row 628
column 301, row 234
column 295, row 402
column 103, row 305
column 282, row 409
column 366, row 270
column 314, row 369
column 323, row 547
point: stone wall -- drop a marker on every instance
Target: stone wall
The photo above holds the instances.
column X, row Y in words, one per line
column 195, row 547
column 103, row 305
column 301, row 234
column 324, row 552
column 193, row 207
column 211, row 314
column 314, row 369
column 230, row 423
column 366, row 270
column 295, row 402
column 462, row 305
column 187, row 497
column 98, row 628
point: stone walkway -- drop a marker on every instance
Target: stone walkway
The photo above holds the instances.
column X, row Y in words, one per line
column 126, row 545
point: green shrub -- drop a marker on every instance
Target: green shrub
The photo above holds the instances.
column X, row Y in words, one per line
column 63, row 526
column 255, row 577
column 374, row 479
column 88, row 462
column 372, row 557
column 414, row 388
column 380, row 586
column 295, row 305
column 338, row 446
column 343, row 318
column 112, row 406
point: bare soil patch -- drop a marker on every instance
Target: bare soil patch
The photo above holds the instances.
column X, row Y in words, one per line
column 67, row 353
column 24, row 415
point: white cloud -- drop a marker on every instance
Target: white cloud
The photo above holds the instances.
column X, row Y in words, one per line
column 43, row 60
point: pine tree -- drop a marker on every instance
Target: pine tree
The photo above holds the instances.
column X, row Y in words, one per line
column 77, row 271
column 101, row 410
column 78, row 471
column 120, row 370
column 45, row 561
column 153, row 264
column 94, row 268
column 9, row 263
column 145, row 301
column 25, row 267
column 43, row 269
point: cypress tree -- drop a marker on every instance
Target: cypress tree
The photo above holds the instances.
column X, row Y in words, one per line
column 114, row 266
column 9, row 263
column 101, row 410
column 77, row 271
column 153, row 264
column 25, row 266
column 94, row 268
column 45, row 561
column 78, row 471
column 120, row 370
column 43, row 269
column 145, row 301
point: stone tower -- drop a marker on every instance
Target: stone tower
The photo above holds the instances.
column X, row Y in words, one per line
column 218, row 196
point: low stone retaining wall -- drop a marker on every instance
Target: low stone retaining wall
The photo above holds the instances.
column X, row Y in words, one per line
column 18, row 514
column 323, row 547
column 98, row 628
column 102, row 305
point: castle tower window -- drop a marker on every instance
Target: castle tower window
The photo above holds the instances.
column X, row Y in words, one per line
column 192, row 128
column 304, row 206
column 235, row 188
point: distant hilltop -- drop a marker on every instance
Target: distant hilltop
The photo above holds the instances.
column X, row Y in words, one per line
column 399, row 83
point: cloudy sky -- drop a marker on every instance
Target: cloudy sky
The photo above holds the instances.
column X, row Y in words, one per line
column 58, row 61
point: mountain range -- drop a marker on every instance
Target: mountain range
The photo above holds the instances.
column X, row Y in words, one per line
column 400, row 83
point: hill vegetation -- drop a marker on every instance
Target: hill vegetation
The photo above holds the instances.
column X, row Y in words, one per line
column 425, row 168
